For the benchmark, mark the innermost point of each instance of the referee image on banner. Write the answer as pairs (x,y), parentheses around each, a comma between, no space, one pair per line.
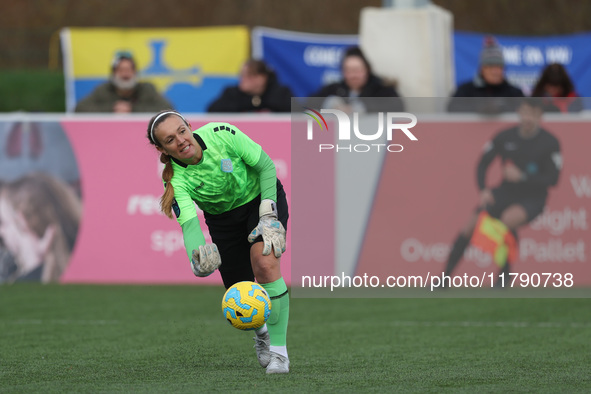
(234,182)
(531,162)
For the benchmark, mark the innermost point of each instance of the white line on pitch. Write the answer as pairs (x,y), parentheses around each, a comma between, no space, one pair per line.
(58,321)
(489,324)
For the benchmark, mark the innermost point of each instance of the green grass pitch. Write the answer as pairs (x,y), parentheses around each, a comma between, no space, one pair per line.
(83,338)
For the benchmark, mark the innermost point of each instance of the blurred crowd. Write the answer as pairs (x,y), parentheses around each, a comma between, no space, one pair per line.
(259,88)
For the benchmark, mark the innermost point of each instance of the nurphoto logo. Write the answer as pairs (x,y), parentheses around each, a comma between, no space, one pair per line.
(348,130)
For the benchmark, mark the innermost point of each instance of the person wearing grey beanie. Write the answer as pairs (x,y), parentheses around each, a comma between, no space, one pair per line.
(489,82)
(491,54)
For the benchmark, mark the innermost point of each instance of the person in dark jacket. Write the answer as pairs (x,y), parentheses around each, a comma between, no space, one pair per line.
(258,91)
(123,93)
(558,90)
(358,85)
(489,84)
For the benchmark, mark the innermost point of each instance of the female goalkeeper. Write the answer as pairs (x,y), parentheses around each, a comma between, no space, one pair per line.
(234,182)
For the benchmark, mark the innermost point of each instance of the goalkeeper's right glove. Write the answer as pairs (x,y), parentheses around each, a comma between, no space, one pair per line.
(205,260)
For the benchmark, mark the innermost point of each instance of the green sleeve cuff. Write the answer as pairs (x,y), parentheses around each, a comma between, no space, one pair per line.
(192,236)
(267,176)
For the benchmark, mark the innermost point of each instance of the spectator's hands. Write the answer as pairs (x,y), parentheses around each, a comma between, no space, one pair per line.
(486,198)
(122,107)
(270,228)
(511,172)
(205,260)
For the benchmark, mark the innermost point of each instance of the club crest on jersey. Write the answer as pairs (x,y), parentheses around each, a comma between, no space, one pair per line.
(227,165)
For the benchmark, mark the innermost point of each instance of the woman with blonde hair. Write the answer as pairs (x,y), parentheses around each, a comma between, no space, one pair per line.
(234,182)
(39,219)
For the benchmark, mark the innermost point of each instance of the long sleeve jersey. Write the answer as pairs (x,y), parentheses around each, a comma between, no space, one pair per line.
(232,172)
(538,157)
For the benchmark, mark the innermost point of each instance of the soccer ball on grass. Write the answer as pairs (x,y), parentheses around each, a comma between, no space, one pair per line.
(246,305)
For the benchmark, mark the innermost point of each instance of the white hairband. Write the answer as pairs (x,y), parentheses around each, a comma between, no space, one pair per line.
(161,115)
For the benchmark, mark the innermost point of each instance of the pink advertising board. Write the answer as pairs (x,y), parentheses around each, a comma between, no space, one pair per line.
(341,221)
(426,195)
(123,238)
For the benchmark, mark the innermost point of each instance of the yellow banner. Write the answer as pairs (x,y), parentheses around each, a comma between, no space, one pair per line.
(177,61)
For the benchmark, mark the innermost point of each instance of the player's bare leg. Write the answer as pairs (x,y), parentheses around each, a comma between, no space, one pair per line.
(266,269)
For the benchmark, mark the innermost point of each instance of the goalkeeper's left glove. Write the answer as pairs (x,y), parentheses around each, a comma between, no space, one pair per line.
(205,260)
(270,228)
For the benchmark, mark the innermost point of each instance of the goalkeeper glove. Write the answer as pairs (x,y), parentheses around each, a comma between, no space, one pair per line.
(270,228)
(205,260)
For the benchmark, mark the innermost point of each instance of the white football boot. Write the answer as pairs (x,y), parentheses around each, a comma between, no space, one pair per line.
(278,364)
(261,345)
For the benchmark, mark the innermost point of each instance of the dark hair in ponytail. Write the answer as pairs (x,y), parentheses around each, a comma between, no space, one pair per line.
(168,196)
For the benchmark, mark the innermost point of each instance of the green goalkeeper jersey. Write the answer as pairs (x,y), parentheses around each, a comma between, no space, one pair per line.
(232,172)
(224,179)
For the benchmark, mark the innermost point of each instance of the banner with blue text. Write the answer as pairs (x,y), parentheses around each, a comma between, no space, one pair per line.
(303,61)
(526,57)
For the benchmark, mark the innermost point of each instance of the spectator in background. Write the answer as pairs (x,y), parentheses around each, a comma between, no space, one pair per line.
(489,82)
(39,219)
(123,93)
(258,90)
(558,90)
(358,83)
